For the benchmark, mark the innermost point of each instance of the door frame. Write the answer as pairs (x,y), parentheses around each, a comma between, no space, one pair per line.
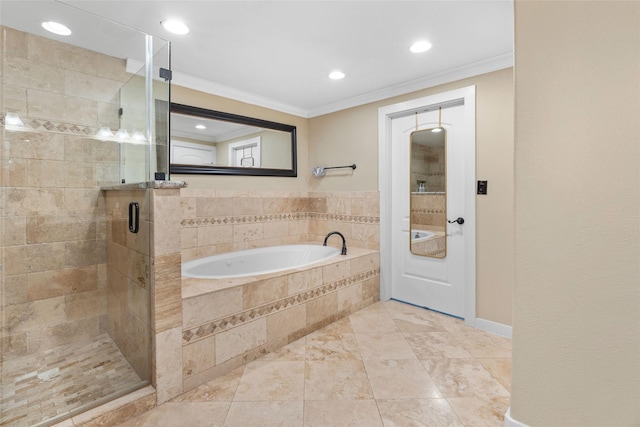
(385,116)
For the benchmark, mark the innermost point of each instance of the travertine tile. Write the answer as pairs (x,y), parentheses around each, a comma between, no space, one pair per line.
(500,368)
(349,380)
(264,291)
(272,380)
(479,411)
(400,379)
(463,378)
(171,414)
(240,339)
(436,344)
(304,280)
(418,413)
(287,322)
(198,356)
(53,283)
(168,359)
(221,389)
(326,345)
(349,297)
(214,305)
(383,346)
(353,413)
(265,414)
(375,322)
(321,309)
(215,234)
(484,344)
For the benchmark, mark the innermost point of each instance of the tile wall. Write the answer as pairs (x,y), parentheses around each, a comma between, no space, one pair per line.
(226,328)
(128,281)
(217,221)
(428,212)
(53,220)
(428,166)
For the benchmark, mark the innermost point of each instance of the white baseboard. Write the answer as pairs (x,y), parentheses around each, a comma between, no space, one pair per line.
(510,422)
(493,327)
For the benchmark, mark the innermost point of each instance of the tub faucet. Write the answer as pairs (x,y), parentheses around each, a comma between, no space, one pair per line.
(344,243)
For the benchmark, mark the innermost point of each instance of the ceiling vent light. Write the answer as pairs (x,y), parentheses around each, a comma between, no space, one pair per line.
(56,28)
(421,46)
(336,75)
(175,27)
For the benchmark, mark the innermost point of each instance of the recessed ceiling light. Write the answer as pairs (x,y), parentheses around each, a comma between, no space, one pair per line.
(201,126)
(174,26)
(336,75)
(420,46)
(56,28)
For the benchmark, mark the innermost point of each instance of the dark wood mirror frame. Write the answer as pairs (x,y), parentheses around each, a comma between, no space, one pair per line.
(232,170)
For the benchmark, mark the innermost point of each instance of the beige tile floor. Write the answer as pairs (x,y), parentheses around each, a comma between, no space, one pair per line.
(390,364)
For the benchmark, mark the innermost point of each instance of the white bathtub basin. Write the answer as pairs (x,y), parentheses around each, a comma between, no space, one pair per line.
(252,262)
(420,235)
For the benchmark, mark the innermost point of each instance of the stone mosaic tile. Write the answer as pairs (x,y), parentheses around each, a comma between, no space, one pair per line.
(46,385)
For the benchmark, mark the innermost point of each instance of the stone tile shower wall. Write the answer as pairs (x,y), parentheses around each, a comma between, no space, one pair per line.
(128,284)
(54,269)
(428,166)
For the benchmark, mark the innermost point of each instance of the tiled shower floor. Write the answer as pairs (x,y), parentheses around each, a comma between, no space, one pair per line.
(39,387)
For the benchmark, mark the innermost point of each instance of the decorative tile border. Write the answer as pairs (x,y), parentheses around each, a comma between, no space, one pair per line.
(220,325)
(248,219)
(428,211)
(243,219)
(346,218)
(66,128)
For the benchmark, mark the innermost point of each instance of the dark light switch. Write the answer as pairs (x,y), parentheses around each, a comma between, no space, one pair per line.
(482,187)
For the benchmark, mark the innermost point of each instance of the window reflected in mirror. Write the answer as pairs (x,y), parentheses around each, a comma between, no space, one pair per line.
(213,142)
(428,217)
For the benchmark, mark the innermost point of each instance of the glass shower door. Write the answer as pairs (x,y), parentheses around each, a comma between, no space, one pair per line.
(60,105)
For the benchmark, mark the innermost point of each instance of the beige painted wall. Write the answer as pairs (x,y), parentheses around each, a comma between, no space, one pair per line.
(576,332)
(183,95)
(351,136)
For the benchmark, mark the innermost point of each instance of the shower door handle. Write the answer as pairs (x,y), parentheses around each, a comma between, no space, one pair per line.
(134,217)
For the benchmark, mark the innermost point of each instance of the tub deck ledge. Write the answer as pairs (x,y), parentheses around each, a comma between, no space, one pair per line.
(193,287)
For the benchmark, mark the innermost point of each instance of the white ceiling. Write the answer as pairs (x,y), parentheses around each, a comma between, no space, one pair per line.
(278,53)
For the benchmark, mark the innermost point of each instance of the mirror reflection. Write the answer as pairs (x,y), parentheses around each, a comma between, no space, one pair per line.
(428,217)
(213,142)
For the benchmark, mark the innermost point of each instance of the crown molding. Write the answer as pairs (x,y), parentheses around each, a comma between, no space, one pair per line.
(486,66)
(196,83)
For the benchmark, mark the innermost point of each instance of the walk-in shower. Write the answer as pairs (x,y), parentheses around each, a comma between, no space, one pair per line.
(75,316)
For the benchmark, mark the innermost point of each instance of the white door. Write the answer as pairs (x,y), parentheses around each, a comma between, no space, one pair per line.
(435,283)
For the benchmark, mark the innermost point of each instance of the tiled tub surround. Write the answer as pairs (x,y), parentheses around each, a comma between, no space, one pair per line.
(428,212)
(229,322)
(218,221)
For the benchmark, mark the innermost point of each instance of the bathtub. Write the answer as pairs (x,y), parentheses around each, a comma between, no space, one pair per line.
(421,235)
(252,262)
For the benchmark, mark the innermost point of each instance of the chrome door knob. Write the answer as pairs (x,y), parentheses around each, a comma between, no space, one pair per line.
(459,220)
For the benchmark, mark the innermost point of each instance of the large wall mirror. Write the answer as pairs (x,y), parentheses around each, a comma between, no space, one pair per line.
(428,179)
(216,143)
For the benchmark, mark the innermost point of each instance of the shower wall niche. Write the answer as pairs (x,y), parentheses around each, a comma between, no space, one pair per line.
(61,348)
